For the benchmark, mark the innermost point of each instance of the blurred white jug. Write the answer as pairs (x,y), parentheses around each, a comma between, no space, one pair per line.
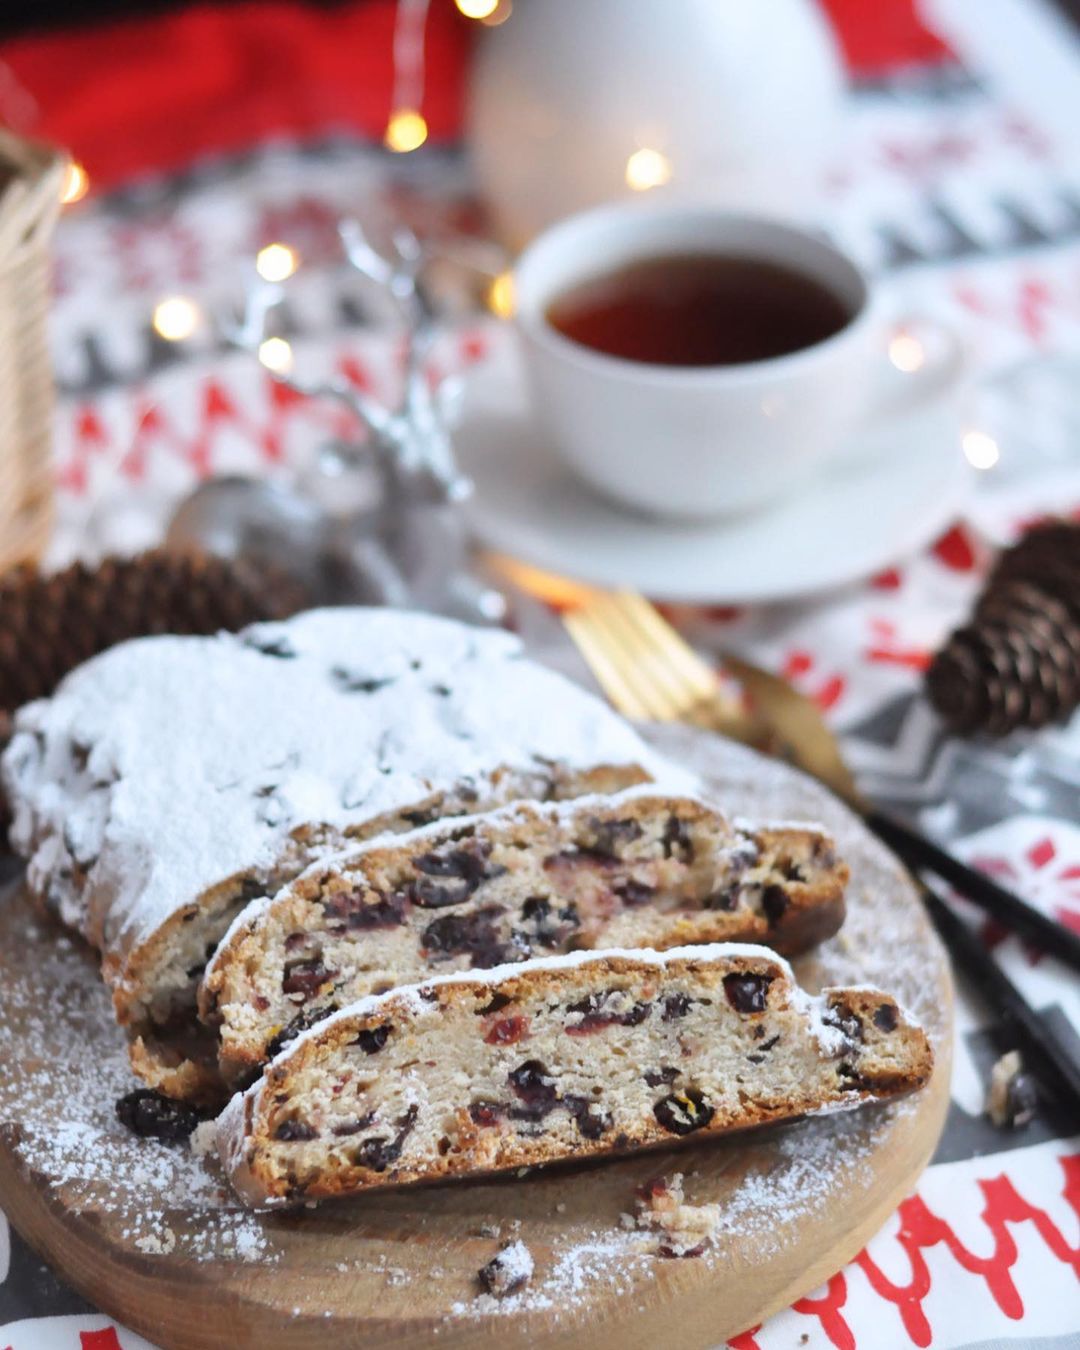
(577,102)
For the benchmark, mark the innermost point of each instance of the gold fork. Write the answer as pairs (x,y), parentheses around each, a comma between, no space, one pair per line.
(650,672)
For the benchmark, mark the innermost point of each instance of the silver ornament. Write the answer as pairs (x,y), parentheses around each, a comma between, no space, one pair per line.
(370,523)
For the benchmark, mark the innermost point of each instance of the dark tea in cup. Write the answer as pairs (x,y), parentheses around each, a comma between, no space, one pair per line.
(698,309)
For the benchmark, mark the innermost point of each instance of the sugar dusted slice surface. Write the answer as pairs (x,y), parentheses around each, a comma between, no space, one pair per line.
(565,1057)
(635,869)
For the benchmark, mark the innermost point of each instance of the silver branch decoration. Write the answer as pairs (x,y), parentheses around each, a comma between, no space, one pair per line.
(378,523)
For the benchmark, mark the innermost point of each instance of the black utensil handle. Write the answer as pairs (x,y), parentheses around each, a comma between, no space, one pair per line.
(1021,918)
(1047,1054)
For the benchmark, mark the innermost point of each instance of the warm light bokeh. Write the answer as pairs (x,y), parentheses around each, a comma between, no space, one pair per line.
(175,318)
(405,131)
(276,262)
(647,169)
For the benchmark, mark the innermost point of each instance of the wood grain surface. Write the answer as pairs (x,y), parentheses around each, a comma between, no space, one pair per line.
(148,1233)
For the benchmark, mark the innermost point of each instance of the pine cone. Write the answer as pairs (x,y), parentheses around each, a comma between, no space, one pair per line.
(1017,662)
(51,623)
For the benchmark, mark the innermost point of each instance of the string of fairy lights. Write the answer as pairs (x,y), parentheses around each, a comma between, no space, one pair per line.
(176,318)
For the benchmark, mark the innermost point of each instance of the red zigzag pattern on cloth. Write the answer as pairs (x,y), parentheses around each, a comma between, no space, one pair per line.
(920,1229)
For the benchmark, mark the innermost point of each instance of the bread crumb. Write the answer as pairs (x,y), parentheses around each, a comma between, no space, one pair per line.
(681,1229)
(509,1270)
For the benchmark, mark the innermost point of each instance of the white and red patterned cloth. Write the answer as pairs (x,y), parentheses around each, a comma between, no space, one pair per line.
(960,188)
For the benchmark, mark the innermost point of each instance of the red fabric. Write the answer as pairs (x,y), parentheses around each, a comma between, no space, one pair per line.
(879,35)
(154,93)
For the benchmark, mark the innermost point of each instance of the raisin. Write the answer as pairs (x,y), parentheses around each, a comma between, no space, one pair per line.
(305,978)
(353,1126)
(270,645)
(507,1031)
(372,1039)
(359,915)
(676,1006)
(759,1055)
(294,1132)
(378,1153)
(683,1112)
(746,993)
(497,1004)
(885,1017)
(429,894)
(545,926)
(791,870)
(666,1074)
(845,1021)
(352,682)
(610,835)
(676,840)
(593,1122)
(725,900)
(299,1023)
(463,864)
(633,893)
(533,1084)
(594,1017)
(474,935)
(774,901)
(486,1113)
(153,1116)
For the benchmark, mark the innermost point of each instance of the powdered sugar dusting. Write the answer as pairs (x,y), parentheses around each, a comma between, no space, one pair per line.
(167,765)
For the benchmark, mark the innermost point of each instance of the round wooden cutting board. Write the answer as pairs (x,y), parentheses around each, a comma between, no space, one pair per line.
(151,1235)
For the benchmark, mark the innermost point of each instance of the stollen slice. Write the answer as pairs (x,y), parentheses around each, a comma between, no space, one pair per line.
(557,1058)
(638,868)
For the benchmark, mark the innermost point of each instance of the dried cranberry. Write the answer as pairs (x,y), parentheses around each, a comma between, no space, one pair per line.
(633,893)
(486,1113)
(507,1031)
(295,940)
(299,1023)
(886,1018)
(372,1039)
(746,993)
(153,1116)
(774,901)
(294,1132)
(305,978)
(676,1006)
(683,1112)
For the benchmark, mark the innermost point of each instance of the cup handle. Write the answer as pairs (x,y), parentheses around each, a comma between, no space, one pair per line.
(915,372)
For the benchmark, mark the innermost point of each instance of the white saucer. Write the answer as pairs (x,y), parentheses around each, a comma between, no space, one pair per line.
(907,488)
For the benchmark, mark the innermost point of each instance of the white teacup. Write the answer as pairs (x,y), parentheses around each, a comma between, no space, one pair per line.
(707,441)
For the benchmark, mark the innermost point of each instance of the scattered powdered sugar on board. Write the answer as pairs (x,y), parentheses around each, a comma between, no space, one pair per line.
(65,1065)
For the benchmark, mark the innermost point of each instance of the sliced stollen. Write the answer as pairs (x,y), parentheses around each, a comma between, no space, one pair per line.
(639,868)
(170,780)
(556,1058)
